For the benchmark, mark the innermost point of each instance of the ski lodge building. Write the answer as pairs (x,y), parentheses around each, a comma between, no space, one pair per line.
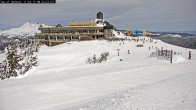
(52,36)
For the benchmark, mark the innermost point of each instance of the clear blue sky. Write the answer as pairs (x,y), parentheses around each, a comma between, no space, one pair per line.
(152,15)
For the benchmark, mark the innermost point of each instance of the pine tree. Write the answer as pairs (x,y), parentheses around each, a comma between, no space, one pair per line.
(20,58)
(34,61)
(5,69)
(14,58)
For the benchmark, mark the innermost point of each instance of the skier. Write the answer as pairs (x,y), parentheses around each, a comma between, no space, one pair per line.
(128,52)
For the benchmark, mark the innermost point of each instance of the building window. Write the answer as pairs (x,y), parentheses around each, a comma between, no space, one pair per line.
(92,31)
(52,37)
(67,37)
(59,37)
(85,31)
(75,37)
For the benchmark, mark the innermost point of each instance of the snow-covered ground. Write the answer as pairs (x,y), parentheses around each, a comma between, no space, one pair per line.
(63,80)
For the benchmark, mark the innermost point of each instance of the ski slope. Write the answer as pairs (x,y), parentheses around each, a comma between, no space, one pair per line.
(63,80)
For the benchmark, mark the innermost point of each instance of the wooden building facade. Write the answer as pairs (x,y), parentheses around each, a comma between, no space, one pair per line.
(52,36)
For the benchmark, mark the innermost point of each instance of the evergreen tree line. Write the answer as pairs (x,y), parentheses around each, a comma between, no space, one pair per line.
(20,58)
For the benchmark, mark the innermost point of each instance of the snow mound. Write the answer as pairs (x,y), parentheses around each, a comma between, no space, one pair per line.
(26,30)
(178,59)
(29,72)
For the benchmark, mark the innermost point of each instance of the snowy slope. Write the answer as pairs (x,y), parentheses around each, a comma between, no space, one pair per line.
(63,80)
(175,93)
(27,29)
(118,34)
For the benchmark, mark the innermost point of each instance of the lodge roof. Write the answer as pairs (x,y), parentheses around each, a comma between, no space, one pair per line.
(70,28)
(59,25)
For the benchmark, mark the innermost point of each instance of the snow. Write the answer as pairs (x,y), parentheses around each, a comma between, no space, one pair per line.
(63,80)
(25,75)
(172,35)
(27,29)
(100,22)
(118,34)
(176,36)
(178,59)
(2,57)
(170,94)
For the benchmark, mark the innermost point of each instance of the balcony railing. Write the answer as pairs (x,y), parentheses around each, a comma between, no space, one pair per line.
(68,34)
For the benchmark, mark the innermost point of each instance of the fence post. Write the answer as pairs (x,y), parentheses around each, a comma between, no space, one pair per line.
(189,55)
(166,53)
(171,56)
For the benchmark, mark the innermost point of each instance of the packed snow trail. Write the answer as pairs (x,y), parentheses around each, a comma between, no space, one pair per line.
(176,93)
(63,80)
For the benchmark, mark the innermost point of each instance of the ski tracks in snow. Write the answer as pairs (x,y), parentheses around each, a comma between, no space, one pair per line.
(161,95)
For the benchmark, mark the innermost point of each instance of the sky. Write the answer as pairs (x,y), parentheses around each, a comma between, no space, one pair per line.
(150,15)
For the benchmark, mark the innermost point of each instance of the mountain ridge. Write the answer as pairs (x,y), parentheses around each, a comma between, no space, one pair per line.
(26,30)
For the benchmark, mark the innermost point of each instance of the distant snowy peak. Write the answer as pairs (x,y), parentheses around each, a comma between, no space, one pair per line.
(32,25)
(26,30)
(172,35)
(176,36)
